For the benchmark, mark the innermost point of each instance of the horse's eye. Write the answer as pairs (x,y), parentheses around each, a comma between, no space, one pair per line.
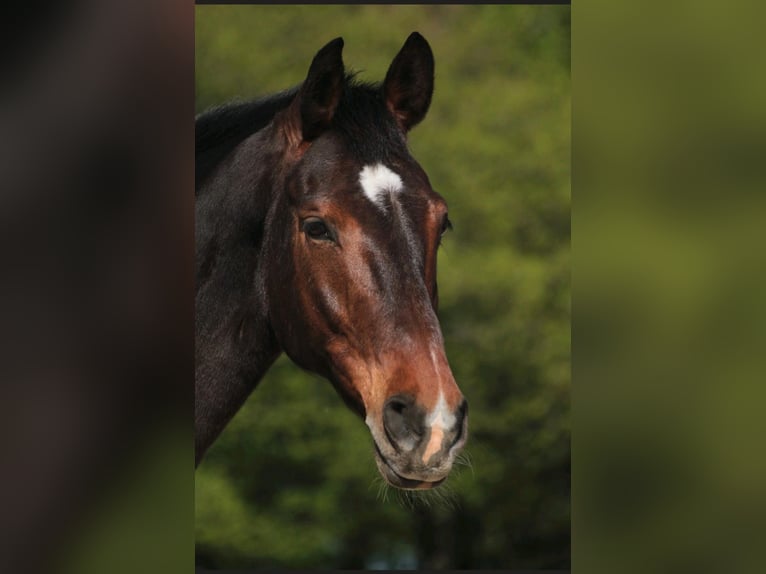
(315,228)
(446,225)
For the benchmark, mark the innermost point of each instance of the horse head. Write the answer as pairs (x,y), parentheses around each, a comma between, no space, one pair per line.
(348,262)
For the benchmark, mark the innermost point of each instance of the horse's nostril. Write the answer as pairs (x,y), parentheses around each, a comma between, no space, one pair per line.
(397,406)
(462,412)
(403,422)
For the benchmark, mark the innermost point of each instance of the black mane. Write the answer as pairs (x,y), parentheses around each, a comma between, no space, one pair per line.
(219,130)
(361,118)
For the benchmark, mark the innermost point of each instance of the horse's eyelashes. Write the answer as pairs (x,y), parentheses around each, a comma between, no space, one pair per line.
(446,225)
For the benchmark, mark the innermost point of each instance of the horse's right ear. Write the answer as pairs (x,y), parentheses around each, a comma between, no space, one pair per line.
(409,83)
(314,106)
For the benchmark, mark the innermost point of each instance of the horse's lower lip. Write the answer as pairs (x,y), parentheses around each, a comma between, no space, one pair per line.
(394,479)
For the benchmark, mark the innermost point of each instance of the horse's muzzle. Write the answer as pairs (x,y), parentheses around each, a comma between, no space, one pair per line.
(417,449)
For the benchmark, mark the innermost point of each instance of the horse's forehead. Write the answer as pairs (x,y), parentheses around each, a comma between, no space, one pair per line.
(377,180)
(341,173)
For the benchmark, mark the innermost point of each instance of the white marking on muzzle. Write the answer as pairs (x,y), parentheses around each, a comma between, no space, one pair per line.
(439,420)
(377,180)
(441,415)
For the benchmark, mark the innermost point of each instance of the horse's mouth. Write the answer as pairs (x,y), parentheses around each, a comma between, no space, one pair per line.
(394,479)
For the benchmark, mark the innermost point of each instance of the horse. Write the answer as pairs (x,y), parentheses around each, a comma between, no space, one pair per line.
(317,235)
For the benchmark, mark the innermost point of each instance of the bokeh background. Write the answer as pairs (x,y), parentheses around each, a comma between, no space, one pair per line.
(669,275)
(291,482)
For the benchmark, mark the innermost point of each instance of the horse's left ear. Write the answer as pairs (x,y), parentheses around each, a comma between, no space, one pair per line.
(409,83)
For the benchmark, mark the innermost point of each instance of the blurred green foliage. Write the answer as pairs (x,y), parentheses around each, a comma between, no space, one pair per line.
(670,324)
(291,483)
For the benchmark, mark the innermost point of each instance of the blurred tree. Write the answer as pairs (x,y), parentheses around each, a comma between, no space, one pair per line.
(292,483)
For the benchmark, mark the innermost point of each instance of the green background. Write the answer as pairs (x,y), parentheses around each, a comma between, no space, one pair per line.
(292,482)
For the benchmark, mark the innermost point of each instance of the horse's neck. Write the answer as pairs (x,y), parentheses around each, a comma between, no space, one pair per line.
(235,345)
(223,383)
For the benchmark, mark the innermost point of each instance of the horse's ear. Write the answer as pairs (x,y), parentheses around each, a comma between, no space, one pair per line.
(318,97)
(409,83)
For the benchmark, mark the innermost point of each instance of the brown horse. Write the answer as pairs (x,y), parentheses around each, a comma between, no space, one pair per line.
(317,234)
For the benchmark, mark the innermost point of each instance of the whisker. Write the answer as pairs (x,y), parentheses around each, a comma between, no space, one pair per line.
(442,497)
(382,494)
(464,460)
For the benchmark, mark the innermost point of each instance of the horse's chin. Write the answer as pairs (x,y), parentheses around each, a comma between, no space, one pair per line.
(394,479)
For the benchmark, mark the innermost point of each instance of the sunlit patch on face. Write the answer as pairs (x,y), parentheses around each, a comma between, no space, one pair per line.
(377,181)
(434,444)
